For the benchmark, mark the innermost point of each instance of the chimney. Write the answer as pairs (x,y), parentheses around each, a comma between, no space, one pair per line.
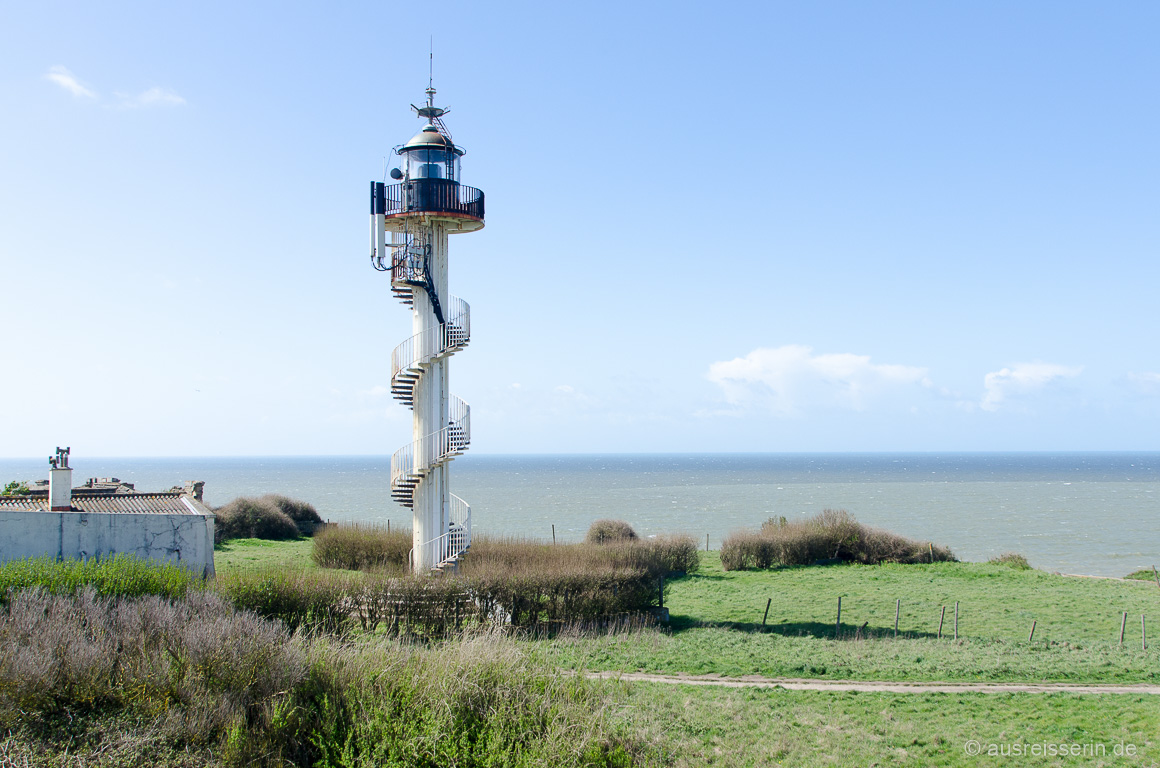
(60,481)
(194,488)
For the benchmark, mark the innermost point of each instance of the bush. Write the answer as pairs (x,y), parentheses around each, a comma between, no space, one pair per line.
(361,547)
(1011,560)
(604,531)
(831,535)
(315,600)
(122,575)
(304,515)
(246,518)
(1144,574)
(196,663)
(246,691)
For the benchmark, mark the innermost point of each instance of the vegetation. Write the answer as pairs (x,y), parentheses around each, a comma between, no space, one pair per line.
(122,575)
(831,536)
(246,518)
(304,515)
(1011,560)
(362,547)
(15,488)
(248,554)
(1144,574)
(731,728)
(202,678)
(281,662)
(717,626)
(605,531)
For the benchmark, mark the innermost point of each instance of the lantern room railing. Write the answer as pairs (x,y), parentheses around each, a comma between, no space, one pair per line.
(433,196)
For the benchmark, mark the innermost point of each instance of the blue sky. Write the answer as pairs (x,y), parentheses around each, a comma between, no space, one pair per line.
(836,226)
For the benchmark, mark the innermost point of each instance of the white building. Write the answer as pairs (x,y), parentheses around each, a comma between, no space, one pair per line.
(105,517)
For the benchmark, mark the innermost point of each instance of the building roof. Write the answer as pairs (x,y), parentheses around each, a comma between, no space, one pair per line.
(112,502)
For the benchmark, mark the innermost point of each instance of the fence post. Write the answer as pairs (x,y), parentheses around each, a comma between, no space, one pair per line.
(940,621)
(1143,634)
(1032,634)
(838,623)
(553,533)
(1123,625)
(897,610)
(766,616)
(706,542)
(956,620)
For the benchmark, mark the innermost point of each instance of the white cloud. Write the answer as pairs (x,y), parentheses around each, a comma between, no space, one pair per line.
(154,97)
(1147,383)
(67,80)
(1020,380)
(788,379)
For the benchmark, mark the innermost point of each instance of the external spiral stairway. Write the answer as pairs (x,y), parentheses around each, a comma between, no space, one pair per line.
(410,361)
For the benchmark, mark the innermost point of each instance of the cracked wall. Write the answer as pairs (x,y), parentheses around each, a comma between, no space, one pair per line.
(181,539)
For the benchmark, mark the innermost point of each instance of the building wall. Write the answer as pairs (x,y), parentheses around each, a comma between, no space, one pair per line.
(182,539)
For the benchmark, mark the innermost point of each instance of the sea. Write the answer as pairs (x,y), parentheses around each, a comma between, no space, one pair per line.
(1079,513)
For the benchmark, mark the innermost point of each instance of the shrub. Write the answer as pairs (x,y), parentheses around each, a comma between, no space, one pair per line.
(1011,560)
(1144,574)
(315,600)
(831,535)
(246,518)
(196,663)
(122,575)
(304,515)
(361,547)
(604,531)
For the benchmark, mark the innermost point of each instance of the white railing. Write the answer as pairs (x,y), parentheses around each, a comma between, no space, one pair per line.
(453,542)
(413,461)
(429,345)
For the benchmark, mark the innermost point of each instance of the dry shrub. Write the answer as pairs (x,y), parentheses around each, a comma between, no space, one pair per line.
(304,515)
(246,518)
(196,663)
(1011,560)
(605,531)
(317,600)
(833,535)
(361,547)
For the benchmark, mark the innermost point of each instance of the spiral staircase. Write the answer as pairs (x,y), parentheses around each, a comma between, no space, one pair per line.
(410,361)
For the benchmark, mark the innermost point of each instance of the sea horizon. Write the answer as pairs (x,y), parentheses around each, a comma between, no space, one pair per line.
(1088,512)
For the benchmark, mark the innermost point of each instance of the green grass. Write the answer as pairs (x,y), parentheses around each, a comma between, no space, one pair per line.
(121,575)
(995,602)
(716,626)
(241,554)
(696,726)
(1144,574)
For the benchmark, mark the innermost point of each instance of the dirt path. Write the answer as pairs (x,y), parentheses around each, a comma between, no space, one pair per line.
(755,681)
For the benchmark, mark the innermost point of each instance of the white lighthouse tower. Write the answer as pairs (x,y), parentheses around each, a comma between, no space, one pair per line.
(410,222)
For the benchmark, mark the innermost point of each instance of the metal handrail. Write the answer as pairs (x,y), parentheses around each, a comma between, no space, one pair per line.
(454,541)
(435,342)
(433,196)
(416,458)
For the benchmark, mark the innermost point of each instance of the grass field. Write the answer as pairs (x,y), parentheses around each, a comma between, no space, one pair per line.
(239,554)
(716,626)
(697,726)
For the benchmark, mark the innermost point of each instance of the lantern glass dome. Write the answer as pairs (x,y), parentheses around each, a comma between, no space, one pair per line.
(431,155)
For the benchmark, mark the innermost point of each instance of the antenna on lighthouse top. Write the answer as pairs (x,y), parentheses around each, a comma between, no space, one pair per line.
(429,110)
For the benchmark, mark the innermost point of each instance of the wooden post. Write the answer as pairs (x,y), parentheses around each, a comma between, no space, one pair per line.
(1156,576)
(1123,624)
(1032,634)
(940,621)
(706,542)
(553,533)
(931,548)
(1143,634)
(388,526)
(766,616)
(838,623)
(956,620)
(897,610)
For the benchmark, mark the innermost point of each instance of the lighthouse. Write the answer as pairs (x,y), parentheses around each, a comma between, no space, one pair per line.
(411,220)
